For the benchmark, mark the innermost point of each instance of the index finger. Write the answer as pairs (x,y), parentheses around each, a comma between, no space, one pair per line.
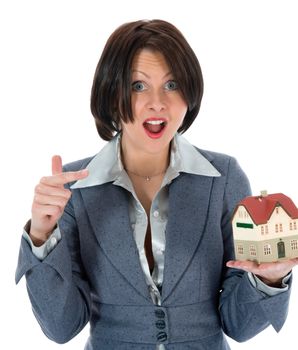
(56,165)
(64,178)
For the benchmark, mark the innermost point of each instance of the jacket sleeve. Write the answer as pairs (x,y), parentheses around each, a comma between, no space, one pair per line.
(57,285)
(245,311)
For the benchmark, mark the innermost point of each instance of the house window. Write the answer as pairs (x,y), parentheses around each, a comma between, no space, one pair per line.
(276,210)
(294,244)
(295,226)
(252,250)
(262,230)
(291,226)
(267,249)
(240,249)
(276,228)
(280,227)
(266,229)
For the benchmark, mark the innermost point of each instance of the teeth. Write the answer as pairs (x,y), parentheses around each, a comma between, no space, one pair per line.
(155,122)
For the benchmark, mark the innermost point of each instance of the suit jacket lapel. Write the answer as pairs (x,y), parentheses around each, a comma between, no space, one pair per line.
(188,209)
(107,207)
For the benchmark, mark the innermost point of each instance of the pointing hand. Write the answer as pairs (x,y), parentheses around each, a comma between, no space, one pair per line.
(50,199)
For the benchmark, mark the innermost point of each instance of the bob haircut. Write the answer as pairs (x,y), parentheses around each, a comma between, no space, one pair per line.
(111,89)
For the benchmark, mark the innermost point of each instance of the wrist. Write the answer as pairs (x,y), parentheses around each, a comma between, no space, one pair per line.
(275,283)
(37,238)
(37,241)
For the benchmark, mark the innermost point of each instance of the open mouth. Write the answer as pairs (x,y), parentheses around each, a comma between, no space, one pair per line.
(154,126)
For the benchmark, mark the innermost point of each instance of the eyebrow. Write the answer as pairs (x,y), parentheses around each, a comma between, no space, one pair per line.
(146,75)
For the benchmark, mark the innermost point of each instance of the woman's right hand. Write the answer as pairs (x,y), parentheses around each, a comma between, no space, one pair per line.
(50,200)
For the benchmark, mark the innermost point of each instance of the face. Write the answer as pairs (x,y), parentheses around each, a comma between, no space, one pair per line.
(157,105)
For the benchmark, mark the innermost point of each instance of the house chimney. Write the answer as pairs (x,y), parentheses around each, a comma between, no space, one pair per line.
(264,193)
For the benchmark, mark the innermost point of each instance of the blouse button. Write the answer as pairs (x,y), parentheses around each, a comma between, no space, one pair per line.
(156,213)
(53,241)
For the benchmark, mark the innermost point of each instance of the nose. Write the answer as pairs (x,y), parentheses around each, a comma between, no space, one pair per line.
(157,101)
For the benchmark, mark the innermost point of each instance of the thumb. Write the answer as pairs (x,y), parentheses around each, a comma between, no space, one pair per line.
(56,165)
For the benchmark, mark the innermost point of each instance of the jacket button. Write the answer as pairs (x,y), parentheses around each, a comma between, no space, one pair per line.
(162,336)
(160,324)
(159,313)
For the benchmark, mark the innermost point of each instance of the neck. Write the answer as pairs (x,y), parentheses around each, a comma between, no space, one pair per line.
(145,164)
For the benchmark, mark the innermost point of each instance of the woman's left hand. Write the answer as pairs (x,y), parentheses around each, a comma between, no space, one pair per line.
(271,274)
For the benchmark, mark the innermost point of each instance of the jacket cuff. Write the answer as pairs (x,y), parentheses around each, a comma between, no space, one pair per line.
(275,308)
(26,260)
(58,259)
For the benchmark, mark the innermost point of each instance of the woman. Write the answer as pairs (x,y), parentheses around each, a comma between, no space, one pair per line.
(137,240)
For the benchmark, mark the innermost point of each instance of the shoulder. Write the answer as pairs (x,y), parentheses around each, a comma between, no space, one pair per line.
(233,179)
(221,161)
(214,156)
(78,164)
(229,167)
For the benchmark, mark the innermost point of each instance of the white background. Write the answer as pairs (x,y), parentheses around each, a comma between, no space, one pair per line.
(49,50)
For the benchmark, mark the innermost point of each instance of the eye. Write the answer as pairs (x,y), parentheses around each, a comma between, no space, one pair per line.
(138,86)
(171,85)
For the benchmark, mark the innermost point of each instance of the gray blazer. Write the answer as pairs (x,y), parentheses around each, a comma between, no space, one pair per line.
(94,273)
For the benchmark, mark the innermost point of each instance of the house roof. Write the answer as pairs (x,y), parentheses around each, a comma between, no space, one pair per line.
(260,208)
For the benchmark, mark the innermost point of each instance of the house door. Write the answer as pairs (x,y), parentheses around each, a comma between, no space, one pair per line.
(281,250)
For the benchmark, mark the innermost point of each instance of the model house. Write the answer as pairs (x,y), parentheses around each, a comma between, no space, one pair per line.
(265,228)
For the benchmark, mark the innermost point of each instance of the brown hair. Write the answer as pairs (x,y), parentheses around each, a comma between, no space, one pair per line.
(111,89)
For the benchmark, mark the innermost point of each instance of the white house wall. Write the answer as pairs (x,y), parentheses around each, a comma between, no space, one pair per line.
(246,234)
(280,218)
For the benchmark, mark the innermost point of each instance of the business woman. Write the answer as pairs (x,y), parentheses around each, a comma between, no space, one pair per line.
(137,239)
